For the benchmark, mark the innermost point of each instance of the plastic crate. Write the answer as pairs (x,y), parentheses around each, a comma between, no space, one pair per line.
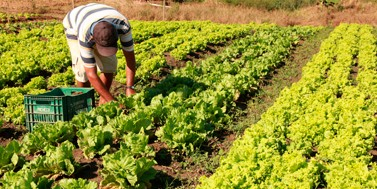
(60,104)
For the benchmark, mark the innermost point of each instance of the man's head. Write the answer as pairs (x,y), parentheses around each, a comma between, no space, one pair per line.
(106,37)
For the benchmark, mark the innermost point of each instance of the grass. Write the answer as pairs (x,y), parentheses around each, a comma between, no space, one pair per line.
(289,5)
(352,11)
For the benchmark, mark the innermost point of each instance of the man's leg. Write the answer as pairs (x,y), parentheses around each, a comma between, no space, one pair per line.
(77,64)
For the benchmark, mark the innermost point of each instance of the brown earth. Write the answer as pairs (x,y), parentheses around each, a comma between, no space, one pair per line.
(350,11)
(9,132)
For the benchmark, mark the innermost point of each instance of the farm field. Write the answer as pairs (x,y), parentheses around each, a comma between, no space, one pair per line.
(320,133)
(218,106)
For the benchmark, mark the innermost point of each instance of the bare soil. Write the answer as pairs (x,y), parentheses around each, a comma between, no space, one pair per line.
(9,132)
(349,11)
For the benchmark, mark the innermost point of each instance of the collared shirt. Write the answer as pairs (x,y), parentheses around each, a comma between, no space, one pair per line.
(77,25)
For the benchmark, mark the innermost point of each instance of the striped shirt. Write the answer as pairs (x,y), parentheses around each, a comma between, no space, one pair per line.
(78,22)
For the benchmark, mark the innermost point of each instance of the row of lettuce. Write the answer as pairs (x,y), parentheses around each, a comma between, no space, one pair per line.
(183,111)
(320,132)
(41,49)
(9,18)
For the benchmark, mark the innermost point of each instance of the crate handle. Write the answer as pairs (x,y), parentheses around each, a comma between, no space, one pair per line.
(42,102)
(76,92)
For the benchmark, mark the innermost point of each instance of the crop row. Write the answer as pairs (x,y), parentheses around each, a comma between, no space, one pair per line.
(188,38)
(319,132)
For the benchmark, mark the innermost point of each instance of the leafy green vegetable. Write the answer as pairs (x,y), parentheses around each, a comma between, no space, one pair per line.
(24,179)
(122,170)
(137,145)
(65,79)
(36,83)
(95,140)
(69,183)
(46,134)
(98,116)
(58,160)
(10,158)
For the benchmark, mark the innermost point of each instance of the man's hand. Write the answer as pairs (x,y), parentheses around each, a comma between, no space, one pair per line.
(130,91)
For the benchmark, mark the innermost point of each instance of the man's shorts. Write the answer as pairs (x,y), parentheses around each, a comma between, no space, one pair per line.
(104,64)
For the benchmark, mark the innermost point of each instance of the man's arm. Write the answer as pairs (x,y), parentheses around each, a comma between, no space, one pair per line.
(130,70)
(98,85)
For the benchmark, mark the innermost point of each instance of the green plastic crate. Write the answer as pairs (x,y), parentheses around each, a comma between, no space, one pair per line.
(60,104)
